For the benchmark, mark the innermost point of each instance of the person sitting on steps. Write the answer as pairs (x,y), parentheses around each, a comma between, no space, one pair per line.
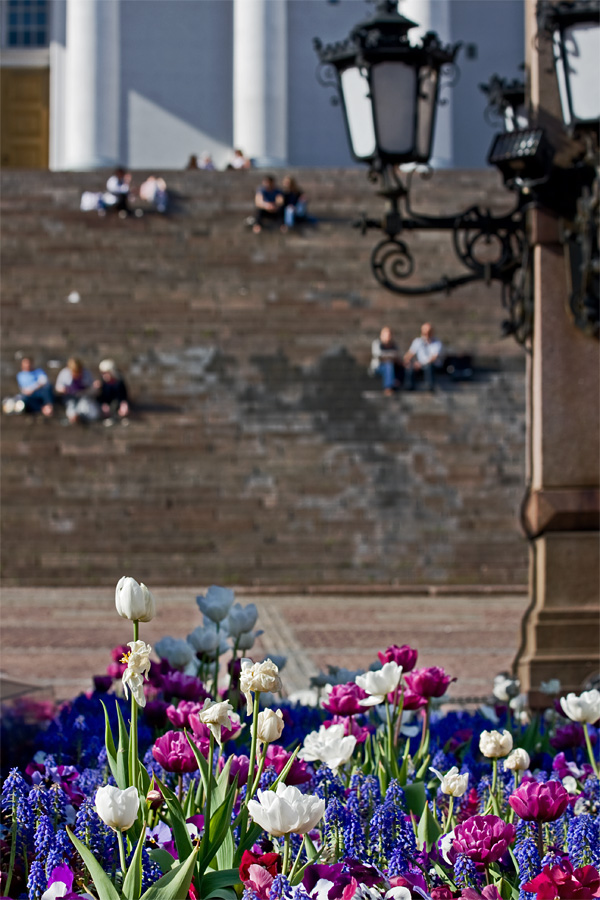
(385,361)
(423,356)
(268,201)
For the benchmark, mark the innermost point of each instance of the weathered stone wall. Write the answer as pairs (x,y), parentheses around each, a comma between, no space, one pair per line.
(261,452)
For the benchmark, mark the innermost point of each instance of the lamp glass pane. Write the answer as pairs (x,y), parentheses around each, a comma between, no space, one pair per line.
(394,99)
(428,80)
(582,46)
(559,65)
(359,112)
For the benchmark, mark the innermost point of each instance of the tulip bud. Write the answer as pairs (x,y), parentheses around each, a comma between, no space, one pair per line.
(154,799)
(270,726)
(134,601)
(518,760)
(117,809)
(494,744)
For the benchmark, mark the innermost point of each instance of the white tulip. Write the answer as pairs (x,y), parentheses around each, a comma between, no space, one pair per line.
(246,640)
(518,760)
(570,784)
(204,640)
(286,810)
(176,651)
(270,725)
(328,745)
(134,601)
(584,708)
(216,603)
(494,744)
(216,716)
(379,684)
(550,687)
(505,687)
(117,809)
(258,677)
(138,666)
(241,619)
(452,783)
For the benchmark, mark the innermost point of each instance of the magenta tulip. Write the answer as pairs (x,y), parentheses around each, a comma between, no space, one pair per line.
(351,726)
(179,715)
(539,801)
(344,700)
(483,839)
(431,682)
(174,753)
(405,656)
(186,687)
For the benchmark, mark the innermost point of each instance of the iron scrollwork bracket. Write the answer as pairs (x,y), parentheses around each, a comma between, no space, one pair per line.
(490,247)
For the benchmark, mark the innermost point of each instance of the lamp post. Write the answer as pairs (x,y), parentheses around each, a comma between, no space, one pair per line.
(388,90)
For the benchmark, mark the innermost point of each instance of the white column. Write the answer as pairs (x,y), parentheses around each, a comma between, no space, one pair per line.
(434,15)
(260,79)
(92,84)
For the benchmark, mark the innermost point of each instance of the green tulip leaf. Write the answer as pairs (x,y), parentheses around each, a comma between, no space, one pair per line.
(111,750)
(415,797)
(183,842)
(122,776)
(175,884)
(132,886)
(104,886)
(428,831)
(162,858)
(216,881)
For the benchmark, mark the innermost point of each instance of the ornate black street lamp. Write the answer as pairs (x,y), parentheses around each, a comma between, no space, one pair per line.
(389,88)
(389,91)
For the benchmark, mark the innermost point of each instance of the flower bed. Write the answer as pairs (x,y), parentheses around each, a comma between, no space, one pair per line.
(170,781)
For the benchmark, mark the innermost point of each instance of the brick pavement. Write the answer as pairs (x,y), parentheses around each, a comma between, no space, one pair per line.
(59,638)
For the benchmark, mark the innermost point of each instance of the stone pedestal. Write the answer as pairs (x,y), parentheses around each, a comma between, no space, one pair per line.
(561,631)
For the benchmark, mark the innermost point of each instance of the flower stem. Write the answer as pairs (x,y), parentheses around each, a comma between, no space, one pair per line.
(211,752)
(133,735)
(297,860)
(216,681)
(540,839)
(449,815)
(13,849)
(261,766)
(286,853)
(588,744)
(180,786)
(424,734)
(255,713)
(121,852)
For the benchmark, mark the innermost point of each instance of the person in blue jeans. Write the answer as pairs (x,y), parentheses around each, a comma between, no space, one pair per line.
(34,388)
(294,202)
(423,356)
(385,361)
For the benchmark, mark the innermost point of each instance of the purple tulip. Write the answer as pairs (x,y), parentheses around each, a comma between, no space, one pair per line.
(344,699)
(179,715)
(155,713)
(431,682)
(405,656)
(186,687)
(484,839)
(351,727)
(277,757)
(174,753)
(239,766)
(570,735)
(102,683)
(539,801)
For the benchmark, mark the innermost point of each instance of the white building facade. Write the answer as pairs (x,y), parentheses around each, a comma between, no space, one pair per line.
(147,83)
